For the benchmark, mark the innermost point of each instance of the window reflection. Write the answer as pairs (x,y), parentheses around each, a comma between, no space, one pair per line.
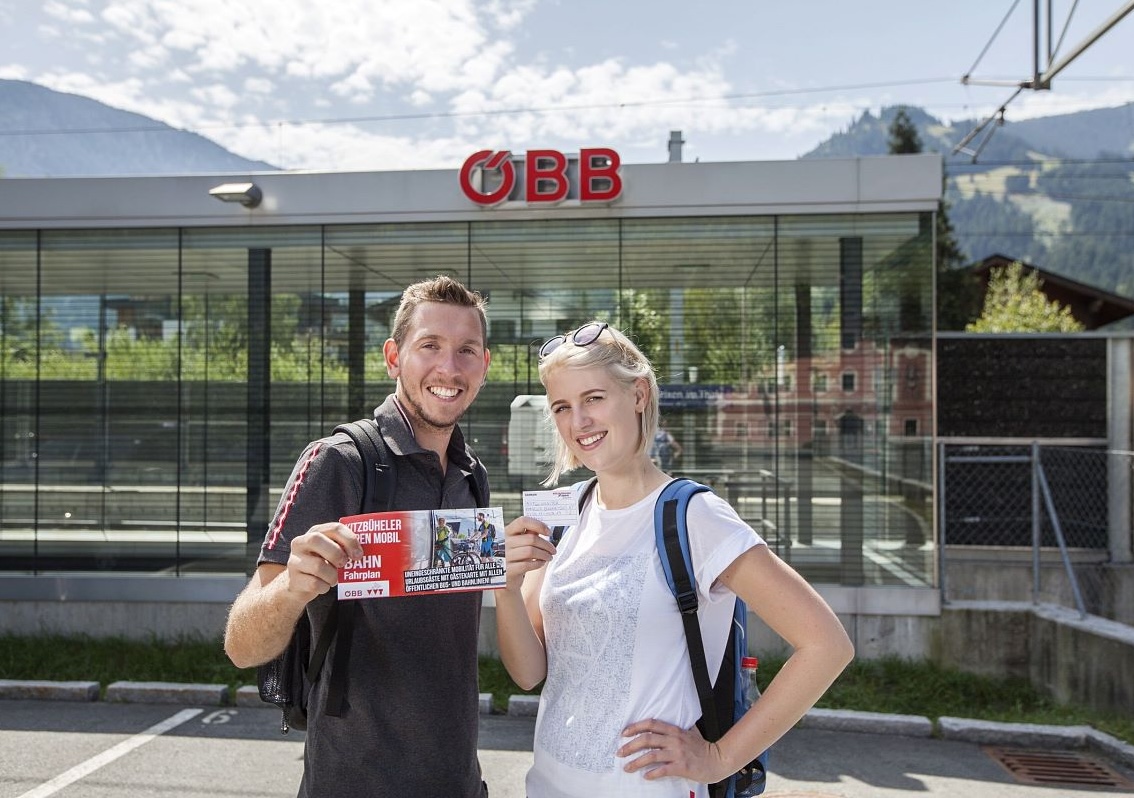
(793,357)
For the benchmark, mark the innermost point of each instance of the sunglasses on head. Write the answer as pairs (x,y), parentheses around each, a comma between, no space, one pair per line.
(584,336)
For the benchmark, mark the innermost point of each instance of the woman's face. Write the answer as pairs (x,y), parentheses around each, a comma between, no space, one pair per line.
(597,416)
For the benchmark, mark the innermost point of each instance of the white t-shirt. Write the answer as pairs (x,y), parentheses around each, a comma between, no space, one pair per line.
(616,650)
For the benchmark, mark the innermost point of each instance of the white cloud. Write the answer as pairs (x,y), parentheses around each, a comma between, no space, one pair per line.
(146,58)
(358,41)
(607,99)
(13,72)
(344,148)
(215,96)
(1049,103)
(132,20)
(67,13)
(258,85)
(508,14)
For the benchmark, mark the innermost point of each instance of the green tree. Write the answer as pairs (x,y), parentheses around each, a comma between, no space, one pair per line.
(903,136)
(957,294)
(729,333)
(1015,302)
(648,326)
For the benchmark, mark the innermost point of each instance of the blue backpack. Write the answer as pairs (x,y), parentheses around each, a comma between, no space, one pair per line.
(722,705)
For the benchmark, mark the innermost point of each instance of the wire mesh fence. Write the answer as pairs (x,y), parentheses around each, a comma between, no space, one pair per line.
(1048,524)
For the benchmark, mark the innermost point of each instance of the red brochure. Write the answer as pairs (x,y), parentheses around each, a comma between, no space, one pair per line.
(415,552)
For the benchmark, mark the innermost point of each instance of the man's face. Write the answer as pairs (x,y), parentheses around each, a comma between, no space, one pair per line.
(441,365)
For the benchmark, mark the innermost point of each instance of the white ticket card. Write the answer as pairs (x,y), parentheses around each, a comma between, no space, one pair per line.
(556,507)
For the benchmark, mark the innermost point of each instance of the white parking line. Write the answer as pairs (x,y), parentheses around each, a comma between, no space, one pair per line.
(109,755)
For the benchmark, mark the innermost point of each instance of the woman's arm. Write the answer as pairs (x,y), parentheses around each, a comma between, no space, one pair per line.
(821,650)
(519,623)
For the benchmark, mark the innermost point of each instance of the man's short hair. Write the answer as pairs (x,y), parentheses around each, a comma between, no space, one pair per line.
(443,289)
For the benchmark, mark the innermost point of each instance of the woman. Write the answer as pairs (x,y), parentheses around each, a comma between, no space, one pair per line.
(595,618)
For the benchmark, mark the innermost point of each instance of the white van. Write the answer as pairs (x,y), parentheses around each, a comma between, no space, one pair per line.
(531,441)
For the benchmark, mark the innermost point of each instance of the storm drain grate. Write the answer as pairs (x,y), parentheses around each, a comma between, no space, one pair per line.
(1068,768)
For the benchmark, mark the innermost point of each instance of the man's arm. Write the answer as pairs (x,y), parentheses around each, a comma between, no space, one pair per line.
(262,618)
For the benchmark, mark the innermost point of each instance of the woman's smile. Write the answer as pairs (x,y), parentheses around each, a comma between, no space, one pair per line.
(587,440)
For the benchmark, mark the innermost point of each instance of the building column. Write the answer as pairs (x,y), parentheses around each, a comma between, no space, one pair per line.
(1119,518)
(805,390)
(356,353)
(257,469)
(850,434)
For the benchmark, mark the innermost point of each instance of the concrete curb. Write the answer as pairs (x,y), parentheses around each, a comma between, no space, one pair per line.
(167,693)
(1036,736)
(843,720)
(869,722)
(248,696)
(1112,747)
(524,706)
(1021,734)
(51,691)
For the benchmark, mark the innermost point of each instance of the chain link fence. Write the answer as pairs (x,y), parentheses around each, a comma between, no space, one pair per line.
(1042,523)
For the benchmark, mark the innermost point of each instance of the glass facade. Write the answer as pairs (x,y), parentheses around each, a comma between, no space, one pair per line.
(156,385)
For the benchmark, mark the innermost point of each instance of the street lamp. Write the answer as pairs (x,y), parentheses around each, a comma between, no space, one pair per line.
(247,194)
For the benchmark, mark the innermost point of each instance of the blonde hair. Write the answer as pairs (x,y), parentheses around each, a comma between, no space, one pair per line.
(624,361)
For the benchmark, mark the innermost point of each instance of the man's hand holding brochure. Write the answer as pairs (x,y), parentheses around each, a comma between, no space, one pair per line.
(413,552)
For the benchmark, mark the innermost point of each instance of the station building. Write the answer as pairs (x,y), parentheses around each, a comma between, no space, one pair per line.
(169,344)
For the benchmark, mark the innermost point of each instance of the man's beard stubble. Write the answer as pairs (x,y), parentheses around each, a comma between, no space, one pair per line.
(424,418)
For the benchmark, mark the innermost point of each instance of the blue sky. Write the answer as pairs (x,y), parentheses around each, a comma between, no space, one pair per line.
(367,84)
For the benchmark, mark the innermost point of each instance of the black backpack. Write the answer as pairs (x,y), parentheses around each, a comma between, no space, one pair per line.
(286,681)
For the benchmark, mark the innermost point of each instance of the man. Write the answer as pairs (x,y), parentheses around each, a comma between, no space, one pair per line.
(665,450)
(410,711)
(487,536)
(443,554)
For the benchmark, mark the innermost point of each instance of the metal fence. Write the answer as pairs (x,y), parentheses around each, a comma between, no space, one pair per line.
(1042,523)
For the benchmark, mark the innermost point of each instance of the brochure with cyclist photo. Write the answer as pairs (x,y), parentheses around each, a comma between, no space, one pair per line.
(416,552)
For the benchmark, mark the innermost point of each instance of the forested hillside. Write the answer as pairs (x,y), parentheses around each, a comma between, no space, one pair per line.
(1056,192)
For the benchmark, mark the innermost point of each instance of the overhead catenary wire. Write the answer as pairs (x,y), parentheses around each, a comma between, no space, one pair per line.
(1040,80)
(1063,33)
(988,44)
(490,112)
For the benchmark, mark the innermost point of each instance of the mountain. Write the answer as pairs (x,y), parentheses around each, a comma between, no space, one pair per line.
(38,139)
(1055,192)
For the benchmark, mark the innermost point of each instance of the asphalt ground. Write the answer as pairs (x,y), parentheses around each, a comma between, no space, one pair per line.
(100,749)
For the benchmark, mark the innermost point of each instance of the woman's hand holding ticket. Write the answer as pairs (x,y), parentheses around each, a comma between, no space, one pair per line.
(526,548)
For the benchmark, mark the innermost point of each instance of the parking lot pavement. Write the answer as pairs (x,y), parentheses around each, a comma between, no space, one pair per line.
(105,750)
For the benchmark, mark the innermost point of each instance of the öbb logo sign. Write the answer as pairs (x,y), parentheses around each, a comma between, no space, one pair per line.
(490,178)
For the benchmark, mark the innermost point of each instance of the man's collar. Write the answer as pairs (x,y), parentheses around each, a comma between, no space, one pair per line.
(402,440)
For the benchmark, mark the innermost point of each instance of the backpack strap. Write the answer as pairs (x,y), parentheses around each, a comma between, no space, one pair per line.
(377,465)
(378,484)
(582,490)
(672,537)
(478,478)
